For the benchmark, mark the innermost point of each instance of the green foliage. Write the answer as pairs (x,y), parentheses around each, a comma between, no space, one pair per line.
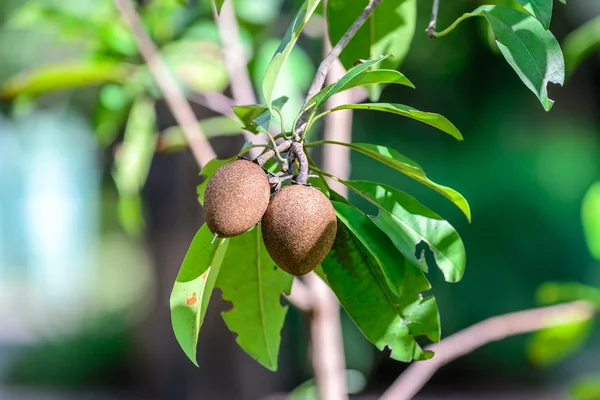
(251,281)
(587,388)
(581,43)
(531,50)
(552,345)
(219,5)
(390,29)
(540,9)
(428,118)
(132,163)
(193,287)
(355,277)
(67,75)
(256,118)
(590,218)
(285,48)
(408,223)
(394,159)
(374,241)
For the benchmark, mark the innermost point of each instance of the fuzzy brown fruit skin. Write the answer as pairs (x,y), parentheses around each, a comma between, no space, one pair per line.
(236,198)
(299,228)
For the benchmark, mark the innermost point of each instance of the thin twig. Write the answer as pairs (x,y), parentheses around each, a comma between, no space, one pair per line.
(214,101)
(281,147)
(493,329)
(434,15)
(180,108)
(327,62)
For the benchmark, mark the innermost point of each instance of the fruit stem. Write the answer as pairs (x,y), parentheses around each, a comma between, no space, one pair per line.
(298,152)
(283,146)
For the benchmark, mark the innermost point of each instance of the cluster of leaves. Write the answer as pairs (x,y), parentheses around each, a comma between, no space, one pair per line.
(378,263)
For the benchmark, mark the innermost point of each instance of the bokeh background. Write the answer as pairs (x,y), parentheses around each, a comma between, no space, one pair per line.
(85,277)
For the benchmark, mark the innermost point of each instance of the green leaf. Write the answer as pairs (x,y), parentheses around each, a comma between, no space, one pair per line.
(340,85)
(435,120)
(285,48)
(590,218)
(219,5)
(531,50)
(256,118)
(63,76)
(133,159)
(552,345)
(173,139)
(193,287)
(587,388)
(385,319)
(392,158)
(407,223)
(376,243)
(558,292)
(581,43)
(390,29)
(252,282)
(540,9)
(108,121)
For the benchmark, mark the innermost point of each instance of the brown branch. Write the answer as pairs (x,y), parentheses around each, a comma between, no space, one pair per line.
(327,62)
(180,108)
(214,101)
(493,329)
(327,349)
(300,296)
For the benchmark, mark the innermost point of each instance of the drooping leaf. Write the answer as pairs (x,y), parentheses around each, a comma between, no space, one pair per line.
(256,118)
(285,48)
(581,43)
(435,120)
(540,9)
(408,223)
(590,218)
(552,345)
(531,50)
(376,243)
(213,165)
(62,76)
(396,321)
(133,159)
(193,287)
(252,282)
(408,167)
(172,139)
(390,29)
(340,85)
(109,116)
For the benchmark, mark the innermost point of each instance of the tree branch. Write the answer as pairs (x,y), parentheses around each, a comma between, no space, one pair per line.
(214,101)
(327,62)
(300,296)
(490,330)
(180,108)
(327,349)
(433,22)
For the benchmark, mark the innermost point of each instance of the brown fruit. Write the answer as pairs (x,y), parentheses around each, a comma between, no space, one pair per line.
(236,198)
(299,228)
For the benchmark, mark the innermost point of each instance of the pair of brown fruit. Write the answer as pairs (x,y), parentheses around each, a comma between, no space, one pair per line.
(298,221)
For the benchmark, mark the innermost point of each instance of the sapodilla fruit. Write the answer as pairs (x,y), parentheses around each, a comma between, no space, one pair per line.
(299,228)
(236,198)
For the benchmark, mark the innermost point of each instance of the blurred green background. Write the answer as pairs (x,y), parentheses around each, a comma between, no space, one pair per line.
(85,274)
